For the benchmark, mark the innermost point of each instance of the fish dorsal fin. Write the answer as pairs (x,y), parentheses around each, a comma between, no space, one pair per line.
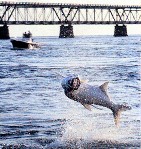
(104,87)
(88,107)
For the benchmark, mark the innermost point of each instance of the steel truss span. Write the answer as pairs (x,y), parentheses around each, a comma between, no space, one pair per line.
(52,13)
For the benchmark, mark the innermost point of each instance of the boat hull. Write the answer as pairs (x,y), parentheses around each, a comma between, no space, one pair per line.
(23,44)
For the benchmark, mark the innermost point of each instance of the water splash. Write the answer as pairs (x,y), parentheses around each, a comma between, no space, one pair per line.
(83,127)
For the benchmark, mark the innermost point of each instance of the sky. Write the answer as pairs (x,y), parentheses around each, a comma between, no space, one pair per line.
(53,30)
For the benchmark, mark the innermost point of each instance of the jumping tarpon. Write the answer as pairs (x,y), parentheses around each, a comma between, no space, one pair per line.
(88,95)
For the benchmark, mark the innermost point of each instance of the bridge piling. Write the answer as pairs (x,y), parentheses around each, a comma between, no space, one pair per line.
(120,31)
(66,31)
(4,32)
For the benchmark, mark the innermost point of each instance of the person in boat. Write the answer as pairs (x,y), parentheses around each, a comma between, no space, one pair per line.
(27,35)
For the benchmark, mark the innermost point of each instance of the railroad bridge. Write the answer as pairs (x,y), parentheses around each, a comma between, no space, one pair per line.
(66,15)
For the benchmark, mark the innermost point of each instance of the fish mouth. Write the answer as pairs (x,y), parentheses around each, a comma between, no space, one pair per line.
(74,83)
(71,83)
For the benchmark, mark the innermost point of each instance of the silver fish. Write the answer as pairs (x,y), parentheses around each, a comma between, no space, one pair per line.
(88,95)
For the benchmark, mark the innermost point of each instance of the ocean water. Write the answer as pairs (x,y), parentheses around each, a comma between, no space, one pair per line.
(34,111)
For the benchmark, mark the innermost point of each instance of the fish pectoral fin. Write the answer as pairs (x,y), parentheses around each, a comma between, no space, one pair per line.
(88,107)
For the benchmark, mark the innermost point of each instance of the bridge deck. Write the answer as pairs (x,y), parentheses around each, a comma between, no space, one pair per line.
(63,5)
(59,13)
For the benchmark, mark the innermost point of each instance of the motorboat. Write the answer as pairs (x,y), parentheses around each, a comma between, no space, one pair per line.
(24,44)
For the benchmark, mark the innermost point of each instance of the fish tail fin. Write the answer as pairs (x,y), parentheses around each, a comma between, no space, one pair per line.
(117,111)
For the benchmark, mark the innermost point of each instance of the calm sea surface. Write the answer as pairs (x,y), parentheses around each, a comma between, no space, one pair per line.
(35,113)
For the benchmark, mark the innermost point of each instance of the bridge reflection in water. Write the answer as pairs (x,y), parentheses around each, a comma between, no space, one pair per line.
(29,13)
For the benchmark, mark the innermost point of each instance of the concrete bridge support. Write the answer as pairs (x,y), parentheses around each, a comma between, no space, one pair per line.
(66,31)
(120,31)
(4,32)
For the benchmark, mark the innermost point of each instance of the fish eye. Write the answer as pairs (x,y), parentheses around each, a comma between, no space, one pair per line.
(70,82)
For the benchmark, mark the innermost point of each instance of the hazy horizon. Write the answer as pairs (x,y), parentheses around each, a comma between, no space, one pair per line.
(53,30)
